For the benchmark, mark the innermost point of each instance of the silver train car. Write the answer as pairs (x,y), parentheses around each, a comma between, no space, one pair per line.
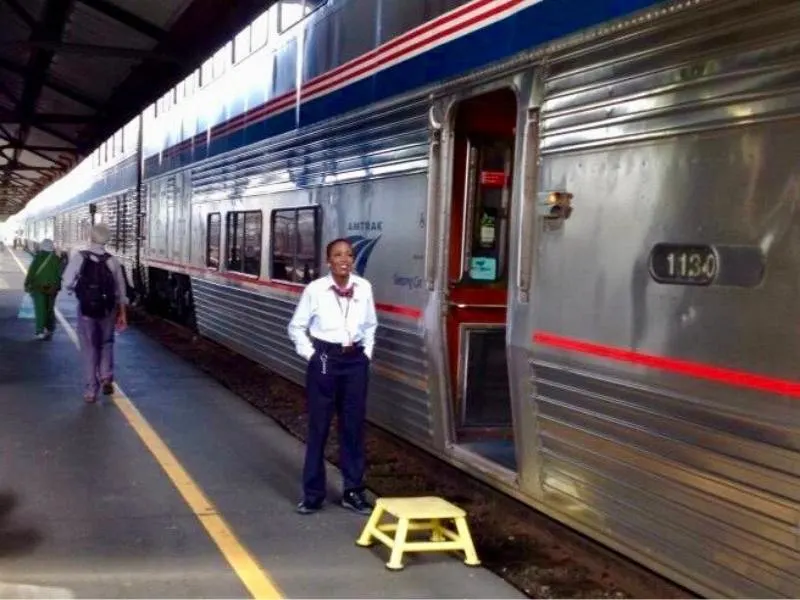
(579,223)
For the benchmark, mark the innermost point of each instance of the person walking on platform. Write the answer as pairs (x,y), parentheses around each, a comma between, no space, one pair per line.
(43,282)
(338,311)
(95,277)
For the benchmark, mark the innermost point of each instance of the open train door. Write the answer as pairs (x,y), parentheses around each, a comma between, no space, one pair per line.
(484,133)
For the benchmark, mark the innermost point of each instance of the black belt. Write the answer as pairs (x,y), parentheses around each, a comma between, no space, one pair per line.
(330,348)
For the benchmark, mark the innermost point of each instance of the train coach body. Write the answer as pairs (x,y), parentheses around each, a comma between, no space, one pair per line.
(579,225)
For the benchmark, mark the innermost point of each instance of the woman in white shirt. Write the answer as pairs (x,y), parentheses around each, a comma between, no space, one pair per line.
(338,311)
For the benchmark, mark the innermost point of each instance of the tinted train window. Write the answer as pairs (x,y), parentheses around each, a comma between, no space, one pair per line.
(312,5)
(243,245)
(355,41)
(284,65)
(400,16)
(295,244)
(213,233)
(319,49)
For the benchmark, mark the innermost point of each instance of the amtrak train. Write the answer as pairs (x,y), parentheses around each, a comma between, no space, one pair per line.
(581,224)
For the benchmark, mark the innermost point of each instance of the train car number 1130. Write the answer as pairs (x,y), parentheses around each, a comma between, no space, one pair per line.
(683,264)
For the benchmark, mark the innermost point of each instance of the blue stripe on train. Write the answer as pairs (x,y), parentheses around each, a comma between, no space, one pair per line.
(534,26)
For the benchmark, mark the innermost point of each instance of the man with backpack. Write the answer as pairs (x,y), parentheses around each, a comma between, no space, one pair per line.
(96,278)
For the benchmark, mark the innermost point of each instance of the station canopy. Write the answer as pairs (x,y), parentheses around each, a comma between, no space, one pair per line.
(73,72)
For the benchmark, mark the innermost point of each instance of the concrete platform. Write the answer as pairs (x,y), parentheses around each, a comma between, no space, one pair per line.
(86,510)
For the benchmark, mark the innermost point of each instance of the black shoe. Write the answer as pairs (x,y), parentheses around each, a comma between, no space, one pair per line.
(306,508)
(108,388)
(355,501)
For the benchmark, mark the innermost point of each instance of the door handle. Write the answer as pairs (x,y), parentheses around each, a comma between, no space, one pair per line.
(528,207)
(434,166)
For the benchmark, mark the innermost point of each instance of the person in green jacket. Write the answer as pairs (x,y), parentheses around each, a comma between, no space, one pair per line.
(43,283)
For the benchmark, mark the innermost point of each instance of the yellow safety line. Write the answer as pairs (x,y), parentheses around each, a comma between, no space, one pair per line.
(253,576)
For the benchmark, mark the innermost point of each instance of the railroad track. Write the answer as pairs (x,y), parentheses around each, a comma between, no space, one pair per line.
(536,554)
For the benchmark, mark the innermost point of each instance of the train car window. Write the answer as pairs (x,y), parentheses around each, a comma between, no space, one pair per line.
(260,31)
(319,49)
(488,193)
(118,147)
(353,42)
(295,244)
(291,12)
(312,5)
(243,235)
(221,59)
(398,17)
(213,234)
(241,45)
(206,72)
(284,68)
(434,8)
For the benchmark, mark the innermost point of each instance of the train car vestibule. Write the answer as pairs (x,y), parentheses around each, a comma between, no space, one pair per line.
(482,170)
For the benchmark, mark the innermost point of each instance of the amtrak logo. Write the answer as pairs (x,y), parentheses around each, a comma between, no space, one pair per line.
(362,248)
(363,245)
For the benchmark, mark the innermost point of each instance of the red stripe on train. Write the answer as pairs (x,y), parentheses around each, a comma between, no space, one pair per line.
(730,377)
(293,288)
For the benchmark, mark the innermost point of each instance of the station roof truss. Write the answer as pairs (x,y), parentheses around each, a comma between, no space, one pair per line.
(73,72)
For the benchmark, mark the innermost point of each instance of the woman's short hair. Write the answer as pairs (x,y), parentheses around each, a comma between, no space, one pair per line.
(329,247)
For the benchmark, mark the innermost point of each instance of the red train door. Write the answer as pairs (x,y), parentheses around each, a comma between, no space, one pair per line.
(483,151)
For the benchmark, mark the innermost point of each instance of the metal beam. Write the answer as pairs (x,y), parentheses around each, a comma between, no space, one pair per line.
(91,50)
(17,178)
(54,20)
(57,160)
(21,168)
(56,134)
(55,85)
(62,149)
(11,117)
(21,13)
(8,93)
(126,18)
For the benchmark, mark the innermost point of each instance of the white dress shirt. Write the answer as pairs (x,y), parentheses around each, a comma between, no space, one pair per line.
(332,319)
(70,276)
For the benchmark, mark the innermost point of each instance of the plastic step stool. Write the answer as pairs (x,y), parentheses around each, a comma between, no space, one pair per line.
(419,514)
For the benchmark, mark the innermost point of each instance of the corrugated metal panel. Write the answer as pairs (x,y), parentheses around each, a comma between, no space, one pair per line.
(127,224)
(320,155)
(76,227)
(255,324)
(60,230)
(702,497)
(251,323)
(675,134)
(108,208)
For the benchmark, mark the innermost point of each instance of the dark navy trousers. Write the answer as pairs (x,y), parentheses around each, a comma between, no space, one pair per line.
(336,381)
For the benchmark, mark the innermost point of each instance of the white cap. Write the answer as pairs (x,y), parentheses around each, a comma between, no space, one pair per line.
(100,234)
(46,245)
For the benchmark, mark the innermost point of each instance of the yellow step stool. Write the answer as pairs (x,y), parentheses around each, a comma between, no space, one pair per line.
(419,514)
